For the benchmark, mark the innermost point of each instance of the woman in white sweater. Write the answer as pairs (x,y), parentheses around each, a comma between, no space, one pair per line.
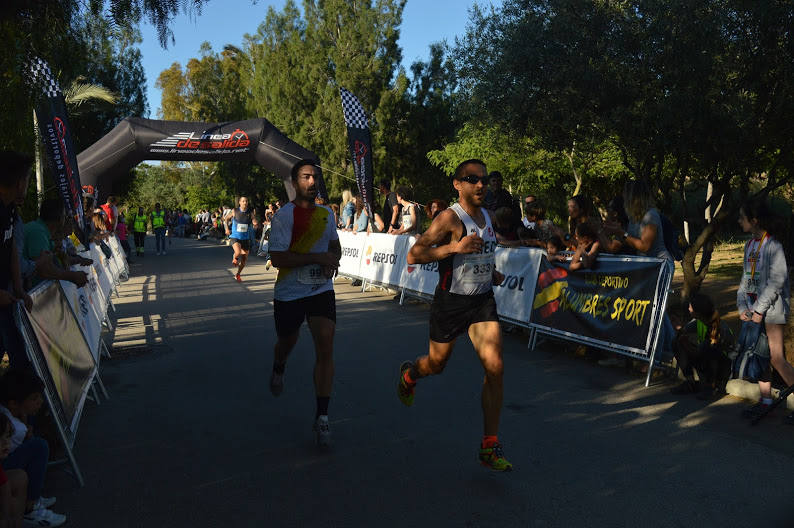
(763,295)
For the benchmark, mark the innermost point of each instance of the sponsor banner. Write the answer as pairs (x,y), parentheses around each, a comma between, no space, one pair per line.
(56,134)
(176,140)
(352,249)
(102,272)
(612,304)
(84,305)
(360,144)
(422,278)
(119,257)
(383,258)
(514,295)
(61,343)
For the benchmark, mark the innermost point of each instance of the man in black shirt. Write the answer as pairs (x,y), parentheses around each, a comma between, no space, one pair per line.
(391,207)
(14,178)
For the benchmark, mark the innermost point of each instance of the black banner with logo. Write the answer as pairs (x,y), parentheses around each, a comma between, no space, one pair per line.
(360,143)
(136,139)
(57,137)
(612,303)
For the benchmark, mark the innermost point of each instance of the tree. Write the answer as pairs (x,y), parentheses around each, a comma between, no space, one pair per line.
(686,91)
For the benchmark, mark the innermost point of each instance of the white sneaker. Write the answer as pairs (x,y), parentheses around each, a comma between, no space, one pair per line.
(44,502)
(322,432)
(158,253)
(163,252)
(44,518)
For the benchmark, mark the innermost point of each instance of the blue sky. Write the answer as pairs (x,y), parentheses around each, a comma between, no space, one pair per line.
(226,21)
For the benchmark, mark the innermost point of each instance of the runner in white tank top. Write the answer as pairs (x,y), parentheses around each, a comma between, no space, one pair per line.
(462,240)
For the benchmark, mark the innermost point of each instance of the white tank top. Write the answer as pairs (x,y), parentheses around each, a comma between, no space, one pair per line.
(472,272)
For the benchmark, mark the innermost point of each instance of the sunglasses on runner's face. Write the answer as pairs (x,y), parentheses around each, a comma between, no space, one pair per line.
(472,179)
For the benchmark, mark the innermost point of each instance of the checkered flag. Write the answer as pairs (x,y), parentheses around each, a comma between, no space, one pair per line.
(355,117)
(360,142)
(41,76)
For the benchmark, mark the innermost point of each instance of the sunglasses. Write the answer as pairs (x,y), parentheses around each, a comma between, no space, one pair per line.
(472,179)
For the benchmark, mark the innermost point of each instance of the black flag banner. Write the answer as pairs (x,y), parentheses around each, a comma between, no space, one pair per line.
(360,142)
(57,138)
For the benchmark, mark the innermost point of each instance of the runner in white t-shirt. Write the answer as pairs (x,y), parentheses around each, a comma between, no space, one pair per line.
(304,246)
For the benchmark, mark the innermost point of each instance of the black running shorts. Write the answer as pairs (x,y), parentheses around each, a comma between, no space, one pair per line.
(451,314)
(244,244)
(291,314)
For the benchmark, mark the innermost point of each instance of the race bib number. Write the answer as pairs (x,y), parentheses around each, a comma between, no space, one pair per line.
(750,284)
(242,228)
(477,269)
(312,274)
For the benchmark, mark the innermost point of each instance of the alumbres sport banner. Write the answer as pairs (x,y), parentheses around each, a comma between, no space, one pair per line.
(57,138)
(360,142)
(613,303)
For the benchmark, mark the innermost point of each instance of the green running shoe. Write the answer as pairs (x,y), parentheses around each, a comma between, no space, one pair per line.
(494,458)
(404,391)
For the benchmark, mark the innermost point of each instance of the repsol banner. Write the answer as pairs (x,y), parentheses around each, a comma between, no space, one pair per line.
(383,258)
(422,278)
(514,295)
(352,249)
(613,303)
(84,302)
(63,349)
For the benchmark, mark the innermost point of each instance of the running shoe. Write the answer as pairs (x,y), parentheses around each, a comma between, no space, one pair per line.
(44,502)
(237,277)
(276,383)
(267,264)
(322,432)
(404,391)
(163,252)
(494,458)
(44,517)
(755,410)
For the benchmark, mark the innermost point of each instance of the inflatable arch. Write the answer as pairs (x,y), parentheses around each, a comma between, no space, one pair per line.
(136,139)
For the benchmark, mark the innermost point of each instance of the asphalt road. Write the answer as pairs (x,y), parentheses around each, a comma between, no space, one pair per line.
(192,437)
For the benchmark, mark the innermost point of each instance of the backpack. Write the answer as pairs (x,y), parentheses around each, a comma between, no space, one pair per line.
(670,235)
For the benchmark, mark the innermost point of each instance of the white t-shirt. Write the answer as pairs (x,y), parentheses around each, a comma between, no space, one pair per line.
(302,231)
(20,429)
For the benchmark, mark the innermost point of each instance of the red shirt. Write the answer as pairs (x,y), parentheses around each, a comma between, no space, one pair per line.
(108,216)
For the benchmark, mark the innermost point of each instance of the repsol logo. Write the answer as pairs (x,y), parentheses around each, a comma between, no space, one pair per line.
(350,252)
(513,282)
(384,258)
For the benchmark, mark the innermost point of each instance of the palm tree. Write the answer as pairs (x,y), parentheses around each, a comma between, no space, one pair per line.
(79,93)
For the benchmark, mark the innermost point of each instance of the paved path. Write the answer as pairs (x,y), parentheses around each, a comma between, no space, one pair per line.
(192,437)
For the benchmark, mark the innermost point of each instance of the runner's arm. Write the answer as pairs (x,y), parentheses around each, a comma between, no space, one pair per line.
(446,227)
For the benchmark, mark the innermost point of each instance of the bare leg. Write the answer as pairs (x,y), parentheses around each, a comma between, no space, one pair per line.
(237,249)
(18,480)
(241,260)
(774,333)
(323,330)
(487,340)
(283,347)
(435,361)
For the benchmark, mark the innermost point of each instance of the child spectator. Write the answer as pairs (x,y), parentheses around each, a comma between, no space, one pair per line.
(586,247)
(121,231)
(763,295)
(12,483)
(709,355)
(21,397)
(554,247)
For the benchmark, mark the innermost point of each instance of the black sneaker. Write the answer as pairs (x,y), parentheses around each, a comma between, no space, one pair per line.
(276,383)
(755,411)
